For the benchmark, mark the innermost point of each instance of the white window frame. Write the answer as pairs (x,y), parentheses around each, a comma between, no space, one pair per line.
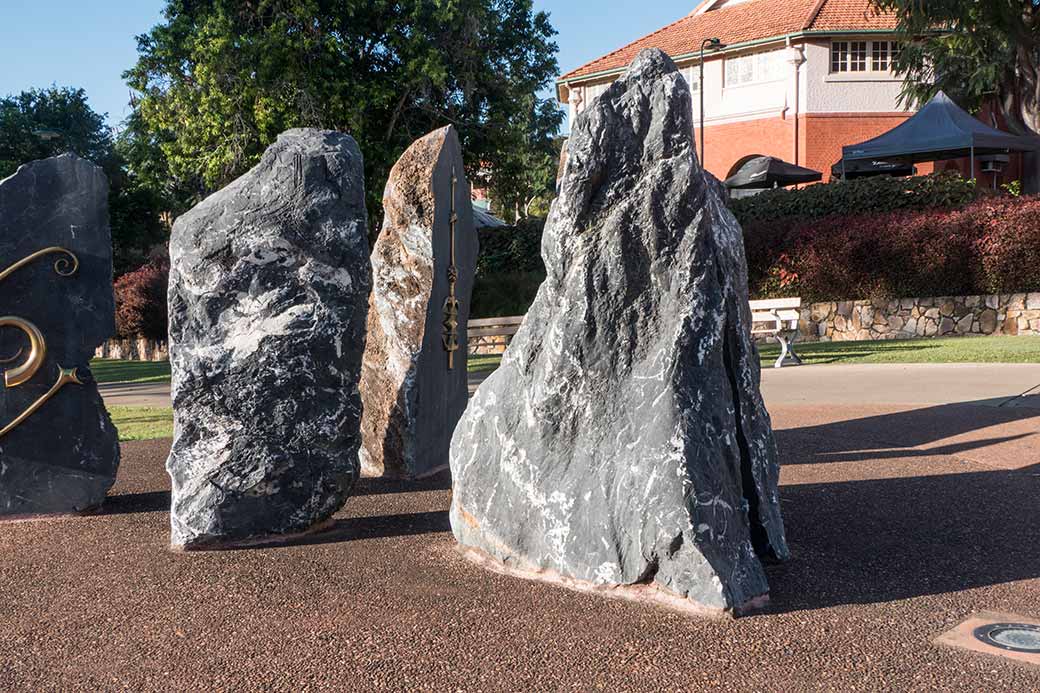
(764,66)
(857,56)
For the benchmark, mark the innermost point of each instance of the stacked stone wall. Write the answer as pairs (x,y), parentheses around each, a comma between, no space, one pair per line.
(908,318)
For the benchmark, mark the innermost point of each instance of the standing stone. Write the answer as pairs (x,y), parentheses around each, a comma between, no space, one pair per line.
(415,389)
(63,457)
(269,284)
(623,444)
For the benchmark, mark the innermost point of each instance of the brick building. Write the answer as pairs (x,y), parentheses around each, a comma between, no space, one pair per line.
(797,79)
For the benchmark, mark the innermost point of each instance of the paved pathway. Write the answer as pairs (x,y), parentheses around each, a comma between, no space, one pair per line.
(997,385)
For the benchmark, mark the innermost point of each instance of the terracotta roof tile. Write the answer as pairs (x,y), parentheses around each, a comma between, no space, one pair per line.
(851,15)
(738,23)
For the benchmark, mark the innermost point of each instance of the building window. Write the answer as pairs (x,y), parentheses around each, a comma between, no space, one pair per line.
(756,67)
(863,56)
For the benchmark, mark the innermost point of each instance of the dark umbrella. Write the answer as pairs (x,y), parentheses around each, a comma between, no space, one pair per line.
(872,167)
(768,172)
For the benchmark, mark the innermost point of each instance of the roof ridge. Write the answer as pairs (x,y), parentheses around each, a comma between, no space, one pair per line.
(813,14)
(630,43)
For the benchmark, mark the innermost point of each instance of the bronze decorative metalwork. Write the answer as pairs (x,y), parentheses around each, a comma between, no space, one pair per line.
(13,377)
(451,304)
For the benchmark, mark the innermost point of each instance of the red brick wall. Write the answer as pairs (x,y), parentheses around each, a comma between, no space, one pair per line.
(820,139)
(727,144)
(824,134)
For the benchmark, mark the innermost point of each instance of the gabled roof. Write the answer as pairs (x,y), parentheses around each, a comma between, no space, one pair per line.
(744,22)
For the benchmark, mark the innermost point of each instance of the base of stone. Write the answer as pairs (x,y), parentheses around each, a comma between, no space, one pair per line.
(376,474)
(269,541)
(41,517)
(64,515)
(653,595)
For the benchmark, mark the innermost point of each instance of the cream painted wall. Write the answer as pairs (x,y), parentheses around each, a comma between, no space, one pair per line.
(867,92)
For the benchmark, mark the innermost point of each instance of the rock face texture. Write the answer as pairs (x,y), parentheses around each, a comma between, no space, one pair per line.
(415,389)
(63,456)
(623,444)
(269,285)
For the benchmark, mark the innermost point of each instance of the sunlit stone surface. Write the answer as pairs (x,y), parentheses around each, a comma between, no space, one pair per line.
(413,394)
(269,292)
(624,445)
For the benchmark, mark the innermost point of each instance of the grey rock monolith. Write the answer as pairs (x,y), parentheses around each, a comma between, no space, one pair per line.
(269,285)
(62,455)
(414,387)
(623,445)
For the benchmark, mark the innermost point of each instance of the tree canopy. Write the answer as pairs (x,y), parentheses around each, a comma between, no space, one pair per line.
(977,52)
(41,123)
(220,79)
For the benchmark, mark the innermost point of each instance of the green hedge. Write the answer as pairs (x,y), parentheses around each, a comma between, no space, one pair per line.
(876,195)
(511,249)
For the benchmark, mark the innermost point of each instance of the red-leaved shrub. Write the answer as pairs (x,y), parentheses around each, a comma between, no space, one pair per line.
(989,246)
(141,302)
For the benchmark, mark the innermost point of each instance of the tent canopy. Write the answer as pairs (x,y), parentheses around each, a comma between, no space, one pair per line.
(765,172)
(941,130)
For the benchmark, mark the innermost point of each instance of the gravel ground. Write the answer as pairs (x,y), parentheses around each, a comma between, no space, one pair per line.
(897,533)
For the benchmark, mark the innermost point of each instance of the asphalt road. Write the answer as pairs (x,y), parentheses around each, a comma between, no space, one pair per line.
(902,521)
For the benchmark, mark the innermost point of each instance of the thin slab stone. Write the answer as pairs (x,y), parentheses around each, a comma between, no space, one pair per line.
(63,457)
(623,445)
(269,285)
(413,387)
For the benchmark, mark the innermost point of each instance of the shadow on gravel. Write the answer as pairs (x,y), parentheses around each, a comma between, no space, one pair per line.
(868,438)
(862,542)
(873,541)
(356,528)
(377,486)
(130,503)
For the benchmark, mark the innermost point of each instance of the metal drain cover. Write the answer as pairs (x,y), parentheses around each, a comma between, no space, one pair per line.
(1013,637)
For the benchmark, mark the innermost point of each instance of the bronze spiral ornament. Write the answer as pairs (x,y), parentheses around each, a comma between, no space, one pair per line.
(64,266)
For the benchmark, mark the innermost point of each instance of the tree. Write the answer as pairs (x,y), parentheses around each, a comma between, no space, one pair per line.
(40,123)
(979,53)
(220,79)
(524,179)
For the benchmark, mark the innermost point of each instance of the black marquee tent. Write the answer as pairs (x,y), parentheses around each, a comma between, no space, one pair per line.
(940,130)
(764,172)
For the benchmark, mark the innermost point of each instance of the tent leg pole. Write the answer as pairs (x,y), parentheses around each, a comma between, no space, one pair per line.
(973,163)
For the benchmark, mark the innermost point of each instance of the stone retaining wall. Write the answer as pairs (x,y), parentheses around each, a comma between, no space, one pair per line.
(1010,314)
(133,350)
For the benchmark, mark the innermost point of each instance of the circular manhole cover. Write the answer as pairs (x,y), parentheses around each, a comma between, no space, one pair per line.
(1015,637)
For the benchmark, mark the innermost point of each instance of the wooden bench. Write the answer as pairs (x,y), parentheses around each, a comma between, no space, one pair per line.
(491,335)
(778,317)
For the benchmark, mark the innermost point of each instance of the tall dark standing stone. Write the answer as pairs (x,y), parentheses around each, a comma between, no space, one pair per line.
(269,285)
(62,457)
(423,264)
(623,444)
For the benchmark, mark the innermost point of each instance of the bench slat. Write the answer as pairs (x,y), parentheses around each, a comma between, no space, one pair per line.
(496,322)
(493,331)
(775,303)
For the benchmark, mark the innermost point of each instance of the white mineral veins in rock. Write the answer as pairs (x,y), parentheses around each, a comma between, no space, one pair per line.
(624,445)
(269,285)
(412,398)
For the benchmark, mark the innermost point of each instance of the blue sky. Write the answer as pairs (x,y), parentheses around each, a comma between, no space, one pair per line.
(89,43)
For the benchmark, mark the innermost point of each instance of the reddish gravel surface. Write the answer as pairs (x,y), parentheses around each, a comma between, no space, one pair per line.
(902,523)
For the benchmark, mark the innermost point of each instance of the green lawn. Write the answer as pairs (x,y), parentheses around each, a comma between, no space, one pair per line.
(944,350)
(483,362)
(112,371)
(142,423)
